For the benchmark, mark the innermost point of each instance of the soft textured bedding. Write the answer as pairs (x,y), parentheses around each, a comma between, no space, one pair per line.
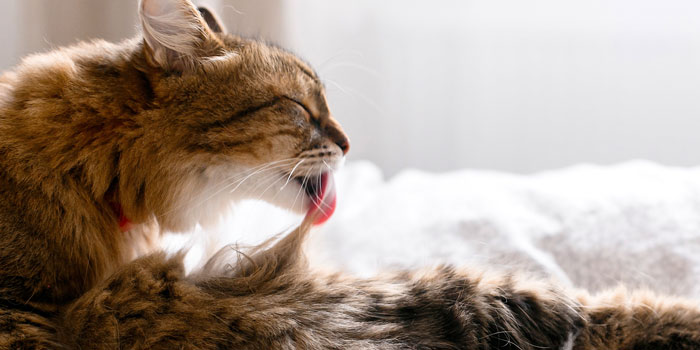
(592,227)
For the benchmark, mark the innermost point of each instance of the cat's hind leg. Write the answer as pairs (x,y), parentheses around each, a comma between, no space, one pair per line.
(148,304)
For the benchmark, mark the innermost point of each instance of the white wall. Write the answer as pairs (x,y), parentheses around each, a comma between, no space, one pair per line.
(9,28)
(29,26)
(444,84)
(510,84)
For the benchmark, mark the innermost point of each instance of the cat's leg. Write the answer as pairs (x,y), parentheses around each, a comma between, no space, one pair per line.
(24,328)
(639,321)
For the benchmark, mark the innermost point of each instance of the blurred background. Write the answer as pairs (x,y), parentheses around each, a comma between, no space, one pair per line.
(511,85)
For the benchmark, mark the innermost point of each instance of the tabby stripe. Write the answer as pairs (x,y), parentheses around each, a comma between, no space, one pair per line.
(9,305)
(248,141)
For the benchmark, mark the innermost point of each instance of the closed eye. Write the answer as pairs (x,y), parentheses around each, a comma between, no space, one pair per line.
(208,126)
(205,127)
(302,105)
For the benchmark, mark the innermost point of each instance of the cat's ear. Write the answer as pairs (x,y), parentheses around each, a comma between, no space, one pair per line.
(176,35)
(212,20)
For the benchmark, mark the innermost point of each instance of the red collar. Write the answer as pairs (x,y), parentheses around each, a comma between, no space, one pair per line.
(124,223)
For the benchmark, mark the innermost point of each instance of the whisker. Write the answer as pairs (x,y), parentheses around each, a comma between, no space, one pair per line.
(238,182)
(240,179)
(291,173)
(355,53)
(303,184)
(321,171)
(359,95)
(336,85)
(263,180)
(349,64)
(280,177)
(320,198)
(246,178)
(234,9)
(327,166)
(254,170)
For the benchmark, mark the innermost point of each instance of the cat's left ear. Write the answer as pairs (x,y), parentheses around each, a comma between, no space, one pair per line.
(212,20)
(176,34)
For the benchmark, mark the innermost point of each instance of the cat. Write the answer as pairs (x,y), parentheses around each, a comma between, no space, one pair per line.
(103,146)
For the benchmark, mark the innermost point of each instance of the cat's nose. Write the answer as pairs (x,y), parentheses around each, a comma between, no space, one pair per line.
(336,134)
(343,143)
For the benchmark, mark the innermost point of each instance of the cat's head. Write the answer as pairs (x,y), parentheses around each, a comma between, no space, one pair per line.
(240,119)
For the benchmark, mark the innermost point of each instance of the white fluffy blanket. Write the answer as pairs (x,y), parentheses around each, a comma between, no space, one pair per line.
(593,227)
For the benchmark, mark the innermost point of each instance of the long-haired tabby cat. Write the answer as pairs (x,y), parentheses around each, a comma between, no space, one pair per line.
(104,145)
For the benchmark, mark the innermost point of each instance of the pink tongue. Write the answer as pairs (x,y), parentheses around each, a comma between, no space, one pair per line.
(325,202)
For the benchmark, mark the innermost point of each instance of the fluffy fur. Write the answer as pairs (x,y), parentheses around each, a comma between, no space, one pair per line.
(162,132)
(271,300)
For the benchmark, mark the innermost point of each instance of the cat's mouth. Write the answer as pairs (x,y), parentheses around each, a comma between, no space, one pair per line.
(321,192)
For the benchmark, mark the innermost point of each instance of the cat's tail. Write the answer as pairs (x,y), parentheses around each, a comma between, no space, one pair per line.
(278,256)
(620,319)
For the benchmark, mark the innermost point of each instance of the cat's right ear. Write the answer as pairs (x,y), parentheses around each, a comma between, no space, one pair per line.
(176,35)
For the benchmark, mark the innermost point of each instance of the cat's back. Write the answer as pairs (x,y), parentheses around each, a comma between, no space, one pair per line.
(49,75)
(51,101)
(7,79)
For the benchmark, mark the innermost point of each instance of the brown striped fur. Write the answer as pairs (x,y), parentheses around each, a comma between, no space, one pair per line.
(158,129)
(270,299)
